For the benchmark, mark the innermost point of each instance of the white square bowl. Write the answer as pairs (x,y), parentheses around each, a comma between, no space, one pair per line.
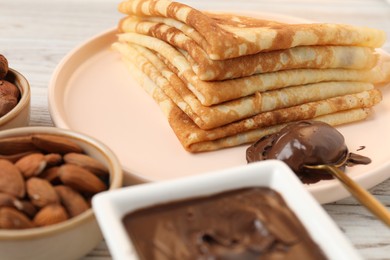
(111,207)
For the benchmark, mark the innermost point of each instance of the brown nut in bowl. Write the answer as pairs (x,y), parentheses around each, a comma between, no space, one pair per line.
(14,97)
(47,179)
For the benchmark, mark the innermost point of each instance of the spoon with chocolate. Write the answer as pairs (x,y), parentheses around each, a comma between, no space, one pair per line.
(316,151)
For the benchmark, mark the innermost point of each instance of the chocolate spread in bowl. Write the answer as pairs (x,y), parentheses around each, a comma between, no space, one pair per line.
(249,223)
(305,142)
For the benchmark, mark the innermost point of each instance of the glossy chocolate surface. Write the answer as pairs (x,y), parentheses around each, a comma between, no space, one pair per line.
(249,223)
(305,143)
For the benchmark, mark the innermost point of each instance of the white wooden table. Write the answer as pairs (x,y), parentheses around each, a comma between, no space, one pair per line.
(36,35)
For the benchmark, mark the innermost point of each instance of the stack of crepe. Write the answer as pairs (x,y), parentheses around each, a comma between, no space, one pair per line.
(224,80)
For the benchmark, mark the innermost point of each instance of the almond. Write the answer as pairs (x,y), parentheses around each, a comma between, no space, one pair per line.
(41,192)
(31,165)
(14,145)
(15,157)
(51,214)
(11,218)
(87,162)
(26,207)
(51,175)
(80,179)
(11,179)
(7,200)
(55,144)
(74,203)
(53,159)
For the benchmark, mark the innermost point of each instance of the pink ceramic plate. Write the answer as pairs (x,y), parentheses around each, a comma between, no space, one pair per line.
(92,92)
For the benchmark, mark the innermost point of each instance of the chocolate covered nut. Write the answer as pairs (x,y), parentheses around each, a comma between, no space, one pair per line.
(9,96)
(3,66)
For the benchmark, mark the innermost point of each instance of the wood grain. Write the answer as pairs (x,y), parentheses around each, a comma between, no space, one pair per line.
(36,35)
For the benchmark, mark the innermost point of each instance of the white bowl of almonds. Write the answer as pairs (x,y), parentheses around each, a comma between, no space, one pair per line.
(48,177)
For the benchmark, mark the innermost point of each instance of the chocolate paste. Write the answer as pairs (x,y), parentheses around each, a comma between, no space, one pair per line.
(305,143)
(249,223)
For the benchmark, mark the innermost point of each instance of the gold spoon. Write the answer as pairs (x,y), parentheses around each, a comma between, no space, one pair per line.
(361,194)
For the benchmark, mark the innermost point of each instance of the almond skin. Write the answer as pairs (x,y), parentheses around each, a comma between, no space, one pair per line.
(11,218)
(55,144)
(11,179)
(50,215)
(51,175)
(16,157)
(53,159)
(32,164)
(81,179)
(41,192)
(15,145)
(87,162)
(74,203)
(7,200)
(26,207)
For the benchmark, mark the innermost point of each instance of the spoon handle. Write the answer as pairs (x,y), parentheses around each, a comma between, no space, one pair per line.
(361,194)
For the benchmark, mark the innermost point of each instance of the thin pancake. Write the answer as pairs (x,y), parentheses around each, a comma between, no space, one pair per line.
(218,115)
(224,36)
(215,92)
(318,57)
(337,110)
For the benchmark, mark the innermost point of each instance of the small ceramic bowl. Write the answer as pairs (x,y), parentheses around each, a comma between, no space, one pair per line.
(111,207)
(75,237)
(20,114)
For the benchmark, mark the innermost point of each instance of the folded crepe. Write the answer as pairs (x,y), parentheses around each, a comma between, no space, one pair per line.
(224,36)
(347,57)
(218,115)
(273,73)
(215,92)
(335,111)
